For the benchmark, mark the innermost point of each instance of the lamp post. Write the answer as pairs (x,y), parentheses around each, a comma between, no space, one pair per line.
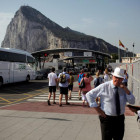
(133,44)
(126,52)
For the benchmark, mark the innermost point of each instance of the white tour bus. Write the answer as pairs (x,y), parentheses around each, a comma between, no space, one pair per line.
(16,66)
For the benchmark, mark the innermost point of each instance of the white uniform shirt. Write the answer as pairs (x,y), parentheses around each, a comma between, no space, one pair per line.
(107,98)
(52,76)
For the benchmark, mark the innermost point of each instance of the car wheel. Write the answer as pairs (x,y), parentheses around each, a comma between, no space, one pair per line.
(1,82)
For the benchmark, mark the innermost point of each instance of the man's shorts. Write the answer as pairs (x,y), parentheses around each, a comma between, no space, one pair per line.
(64,90)
(52,89)
(70,87)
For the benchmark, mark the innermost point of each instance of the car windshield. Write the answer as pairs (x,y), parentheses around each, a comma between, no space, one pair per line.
(38,72)
(45,70)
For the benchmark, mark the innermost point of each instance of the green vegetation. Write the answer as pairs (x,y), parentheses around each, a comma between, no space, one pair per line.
(114,57)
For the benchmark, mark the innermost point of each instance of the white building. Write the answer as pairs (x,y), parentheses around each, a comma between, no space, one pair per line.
(130,59)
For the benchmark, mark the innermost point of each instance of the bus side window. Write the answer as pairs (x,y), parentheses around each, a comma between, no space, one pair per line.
(22,58)
(13,57)
(4,56)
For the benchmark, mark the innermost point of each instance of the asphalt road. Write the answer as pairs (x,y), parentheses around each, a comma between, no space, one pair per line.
(20,92)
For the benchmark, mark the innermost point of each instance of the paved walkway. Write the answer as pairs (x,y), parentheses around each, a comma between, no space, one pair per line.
(38,121)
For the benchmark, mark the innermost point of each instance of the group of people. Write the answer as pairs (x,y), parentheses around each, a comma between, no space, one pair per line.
(87,79)
(113,96)
(65,81)
(67,85)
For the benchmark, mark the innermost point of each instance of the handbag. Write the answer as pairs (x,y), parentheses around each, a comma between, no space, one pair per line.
(82,85)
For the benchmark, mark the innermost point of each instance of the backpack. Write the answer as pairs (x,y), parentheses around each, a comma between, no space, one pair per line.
(62,78)
(80,77)
(82,85)
(71,80)
(97,83)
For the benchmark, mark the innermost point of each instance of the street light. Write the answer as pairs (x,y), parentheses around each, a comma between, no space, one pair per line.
(126,49)
(133,44)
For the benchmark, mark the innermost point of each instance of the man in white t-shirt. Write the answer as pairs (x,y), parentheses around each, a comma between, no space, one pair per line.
(52,77)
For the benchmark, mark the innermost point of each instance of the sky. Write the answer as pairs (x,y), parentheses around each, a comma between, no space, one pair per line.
(110,20)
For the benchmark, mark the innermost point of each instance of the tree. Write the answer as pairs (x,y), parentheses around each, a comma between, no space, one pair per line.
(114,56)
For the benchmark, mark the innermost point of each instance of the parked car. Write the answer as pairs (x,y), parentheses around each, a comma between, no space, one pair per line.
(71,69)
(45,72)
(76,70)
(39,75)
(85,69)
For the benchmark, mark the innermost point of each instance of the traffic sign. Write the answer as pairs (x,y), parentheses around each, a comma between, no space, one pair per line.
(87,53)
(67,53)
(85,61)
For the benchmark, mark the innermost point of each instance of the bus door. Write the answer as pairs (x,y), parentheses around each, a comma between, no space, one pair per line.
(16,71)
(19,72)
(11,71)
(23,71)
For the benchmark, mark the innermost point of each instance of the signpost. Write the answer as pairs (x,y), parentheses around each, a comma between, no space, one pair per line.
(92,60)
(85,61)
(87,53)
(68,54)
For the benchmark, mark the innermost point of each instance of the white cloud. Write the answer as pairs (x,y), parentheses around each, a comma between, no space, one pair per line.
(5,19)
(111,24)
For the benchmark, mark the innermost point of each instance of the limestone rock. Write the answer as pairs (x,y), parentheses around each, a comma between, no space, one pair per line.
(31,31)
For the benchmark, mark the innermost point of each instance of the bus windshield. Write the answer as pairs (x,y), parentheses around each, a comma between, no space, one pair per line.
(31,62)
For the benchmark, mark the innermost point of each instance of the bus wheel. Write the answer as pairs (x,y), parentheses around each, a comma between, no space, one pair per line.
(27,79)
(1,82)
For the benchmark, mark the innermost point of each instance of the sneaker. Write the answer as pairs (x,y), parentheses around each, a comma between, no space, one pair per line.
(67,103)
(49,102)
(54,102)
(79,98)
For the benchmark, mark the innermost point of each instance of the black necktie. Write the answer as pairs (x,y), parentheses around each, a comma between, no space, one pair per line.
(117,101)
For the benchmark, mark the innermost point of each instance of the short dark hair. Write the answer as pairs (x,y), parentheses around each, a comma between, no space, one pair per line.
(64,69)
(70,72)
(87,75)
(53,69)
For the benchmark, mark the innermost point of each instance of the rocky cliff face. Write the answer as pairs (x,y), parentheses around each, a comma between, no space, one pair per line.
(31,31)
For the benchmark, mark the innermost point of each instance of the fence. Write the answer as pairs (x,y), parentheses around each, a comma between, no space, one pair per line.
(133,71)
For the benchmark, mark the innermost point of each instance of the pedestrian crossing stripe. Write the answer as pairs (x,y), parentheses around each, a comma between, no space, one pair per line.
(44,98)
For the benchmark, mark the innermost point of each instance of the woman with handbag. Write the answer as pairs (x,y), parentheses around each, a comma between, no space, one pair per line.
(87,79)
